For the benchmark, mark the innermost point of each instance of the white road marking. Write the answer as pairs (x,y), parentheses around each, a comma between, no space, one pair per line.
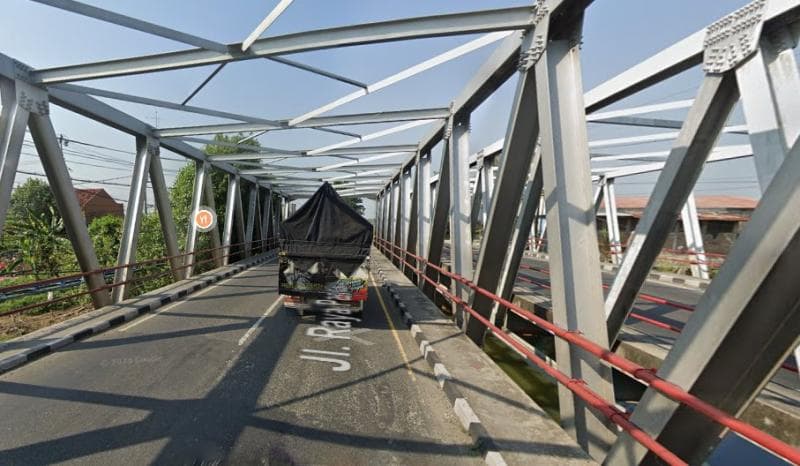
(266,314)
(182,300)
(353,337)
(162,310)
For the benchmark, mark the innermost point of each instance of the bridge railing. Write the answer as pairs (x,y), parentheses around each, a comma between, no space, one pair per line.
(421,268)
(188,260)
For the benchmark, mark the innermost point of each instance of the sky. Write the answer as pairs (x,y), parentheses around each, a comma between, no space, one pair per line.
(617,35)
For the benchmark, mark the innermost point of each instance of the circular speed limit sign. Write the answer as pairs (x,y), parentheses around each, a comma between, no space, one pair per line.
(205,219)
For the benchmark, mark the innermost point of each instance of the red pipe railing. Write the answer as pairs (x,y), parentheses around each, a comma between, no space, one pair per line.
(634,370)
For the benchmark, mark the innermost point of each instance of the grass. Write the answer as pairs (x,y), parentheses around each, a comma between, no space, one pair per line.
(539,386)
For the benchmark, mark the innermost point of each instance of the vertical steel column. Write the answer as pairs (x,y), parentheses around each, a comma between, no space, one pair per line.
(267,216)
(408,182)
(695,140)
(519,152)
(460,224)
(487,189)
(378,207)
(230,213)
(392,211)
(13,121)
(410,243)
(476,201)
(761,103)
(612,220)
(576,293)
(168,230)
(208,196)
(694,238)
(741,331)
(398,217)
(251,220)
(200,173)
(258,235)
(145,147)
(46,141)
(423,203)
(440,218)
(238,218)
(541,225)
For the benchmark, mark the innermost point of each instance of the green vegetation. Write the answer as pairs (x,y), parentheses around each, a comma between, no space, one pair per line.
(34,244)
(538,385)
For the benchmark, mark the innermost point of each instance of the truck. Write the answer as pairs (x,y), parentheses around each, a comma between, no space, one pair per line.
(323,260)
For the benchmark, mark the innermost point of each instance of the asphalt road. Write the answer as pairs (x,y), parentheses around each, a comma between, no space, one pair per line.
(661,312)
(229,376)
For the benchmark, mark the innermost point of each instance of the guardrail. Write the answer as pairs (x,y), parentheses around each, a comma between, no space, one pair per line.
(578,386)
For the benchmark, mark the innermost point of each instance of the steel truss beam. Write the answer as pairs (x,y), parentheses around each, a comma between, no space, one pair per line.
(200,173)
(49,150)
(133,217)
(404,74)
(460,224)
(740,332)
(74,88)
(522,133)
(576,293)
(523,223)
(208,197)
(703,125)
(265,23)
(440,217)
(230,214)
(136,24)
(251,219)
(669,62)
(387,31)
(354,119)
(164,208)
(422,190)
(13,121)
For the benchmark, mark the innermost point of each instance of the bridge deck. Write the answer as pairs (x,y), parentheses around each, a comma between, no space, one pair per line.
(206,379)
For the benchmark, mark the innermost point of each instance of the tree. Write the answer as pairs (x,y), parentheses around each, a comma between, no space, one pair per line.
(39,241)
(32,197)
(183,187)
(356,203)
(106,234)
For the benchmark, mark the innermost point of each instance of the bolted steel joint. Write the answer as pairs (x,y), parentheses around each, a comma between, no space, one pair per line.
(32,99)
(734,38)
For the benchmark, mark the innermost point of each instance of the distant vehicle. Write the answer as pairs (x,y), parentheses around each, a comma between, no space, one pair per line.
(324,252)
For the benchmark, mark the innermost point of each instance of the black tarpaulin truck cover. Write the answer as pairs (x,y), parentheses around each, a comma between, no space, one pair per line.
(326,228)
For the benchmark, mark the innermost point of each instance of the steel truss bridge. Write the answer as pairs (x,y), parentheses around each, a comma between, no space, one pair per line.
(543,172)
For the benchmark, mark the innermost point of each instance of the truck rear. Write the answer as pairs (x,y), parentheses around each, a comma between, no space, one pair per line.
(323,261)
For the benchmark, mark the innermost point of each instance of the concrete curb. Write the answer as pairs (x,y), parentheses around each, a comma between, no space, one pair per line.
(470,422)
(127,311)
(663,277)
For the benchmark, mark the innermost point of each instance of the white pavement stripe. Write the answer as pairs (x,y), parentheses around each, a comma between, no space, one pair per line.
(266,314)
(188,297)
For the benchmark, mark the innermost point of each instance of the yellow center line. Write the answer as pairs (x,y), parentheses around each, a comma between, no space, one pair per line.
(393,329)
